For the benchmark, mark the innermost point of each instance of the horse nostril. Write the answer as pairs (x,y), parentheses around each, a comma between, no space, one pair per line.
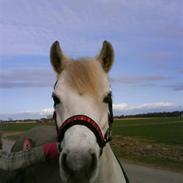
(93,161)
(64,162)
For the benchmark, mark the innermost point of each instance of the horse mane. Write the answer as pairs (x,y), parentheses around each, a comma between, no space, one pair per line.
(85,75)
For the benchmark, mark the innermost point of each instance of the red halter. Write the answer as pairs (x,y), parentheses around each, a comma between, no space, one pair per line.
(85,121)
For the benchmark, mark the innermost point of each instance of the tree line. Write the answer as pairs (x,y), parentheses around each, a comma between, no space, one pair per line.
(178,114)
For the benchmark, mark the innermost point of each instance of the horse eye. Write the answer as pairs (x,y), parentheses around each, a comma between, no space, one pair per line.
(107,98)
(55,99)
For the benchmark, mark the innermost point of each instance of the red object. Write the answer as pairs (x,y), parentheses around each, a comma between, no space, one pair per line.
(51,151)
(27,145)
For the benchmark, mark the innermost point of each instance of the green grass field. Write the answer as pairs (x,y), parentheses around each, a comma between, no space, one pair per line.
(18,127)
(160,130)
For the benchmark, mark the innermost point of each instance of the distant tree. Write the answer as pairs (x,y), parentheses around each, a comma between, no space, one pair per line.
(178,114)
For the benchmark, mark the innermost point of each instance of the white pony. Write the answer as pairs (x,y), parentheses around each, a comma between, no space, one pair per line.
(81,91)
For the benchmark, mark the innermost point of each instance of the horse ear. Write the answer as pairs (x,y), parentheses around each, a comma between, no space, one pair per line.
(106,56)
(57,57)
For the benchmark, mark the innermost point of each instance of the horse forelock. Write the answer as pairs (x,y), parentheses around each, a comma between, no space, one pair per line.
(86,76)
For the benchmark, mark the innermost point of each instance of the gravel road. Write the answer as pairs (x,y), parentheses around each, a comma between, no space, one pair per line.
(142,174)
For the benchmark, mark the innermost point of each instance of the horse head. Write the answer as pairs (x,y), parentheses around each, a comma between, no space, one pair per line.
(81,93)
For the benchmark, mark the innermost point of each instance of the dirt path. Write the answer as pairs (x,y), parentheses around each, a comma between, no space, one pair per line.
(142,174)
(149,152)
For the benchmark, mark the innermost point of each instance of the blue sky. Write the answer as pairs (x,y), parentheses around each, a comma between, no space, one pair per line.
(147,37)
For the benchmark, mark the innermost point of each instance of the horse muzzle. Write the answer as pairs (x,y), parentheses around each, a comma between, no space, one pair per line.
(78,160)
(78,163)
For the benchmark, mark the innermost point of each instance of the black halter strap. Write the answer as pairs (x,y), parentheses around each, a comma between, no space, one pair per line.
(108,133)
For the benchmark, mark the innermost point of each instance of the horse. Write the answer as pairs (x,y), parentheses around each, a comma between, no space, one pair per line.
(83,118)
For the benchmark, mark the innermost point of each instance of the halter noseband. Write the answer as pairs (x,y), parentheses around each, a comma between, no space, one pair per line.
(85,121)
(89,123)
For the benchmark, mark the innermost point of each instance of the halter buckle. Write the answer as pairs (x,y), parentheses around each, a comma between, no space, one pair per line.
(108,135)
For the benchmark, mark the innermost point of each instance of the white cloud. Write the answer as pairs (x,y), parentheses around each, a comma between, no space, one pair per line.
(46,111)
(26,78)
(157,105)
(121,107)
(127,108)
(139,79)
(142,108)
(27,114)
